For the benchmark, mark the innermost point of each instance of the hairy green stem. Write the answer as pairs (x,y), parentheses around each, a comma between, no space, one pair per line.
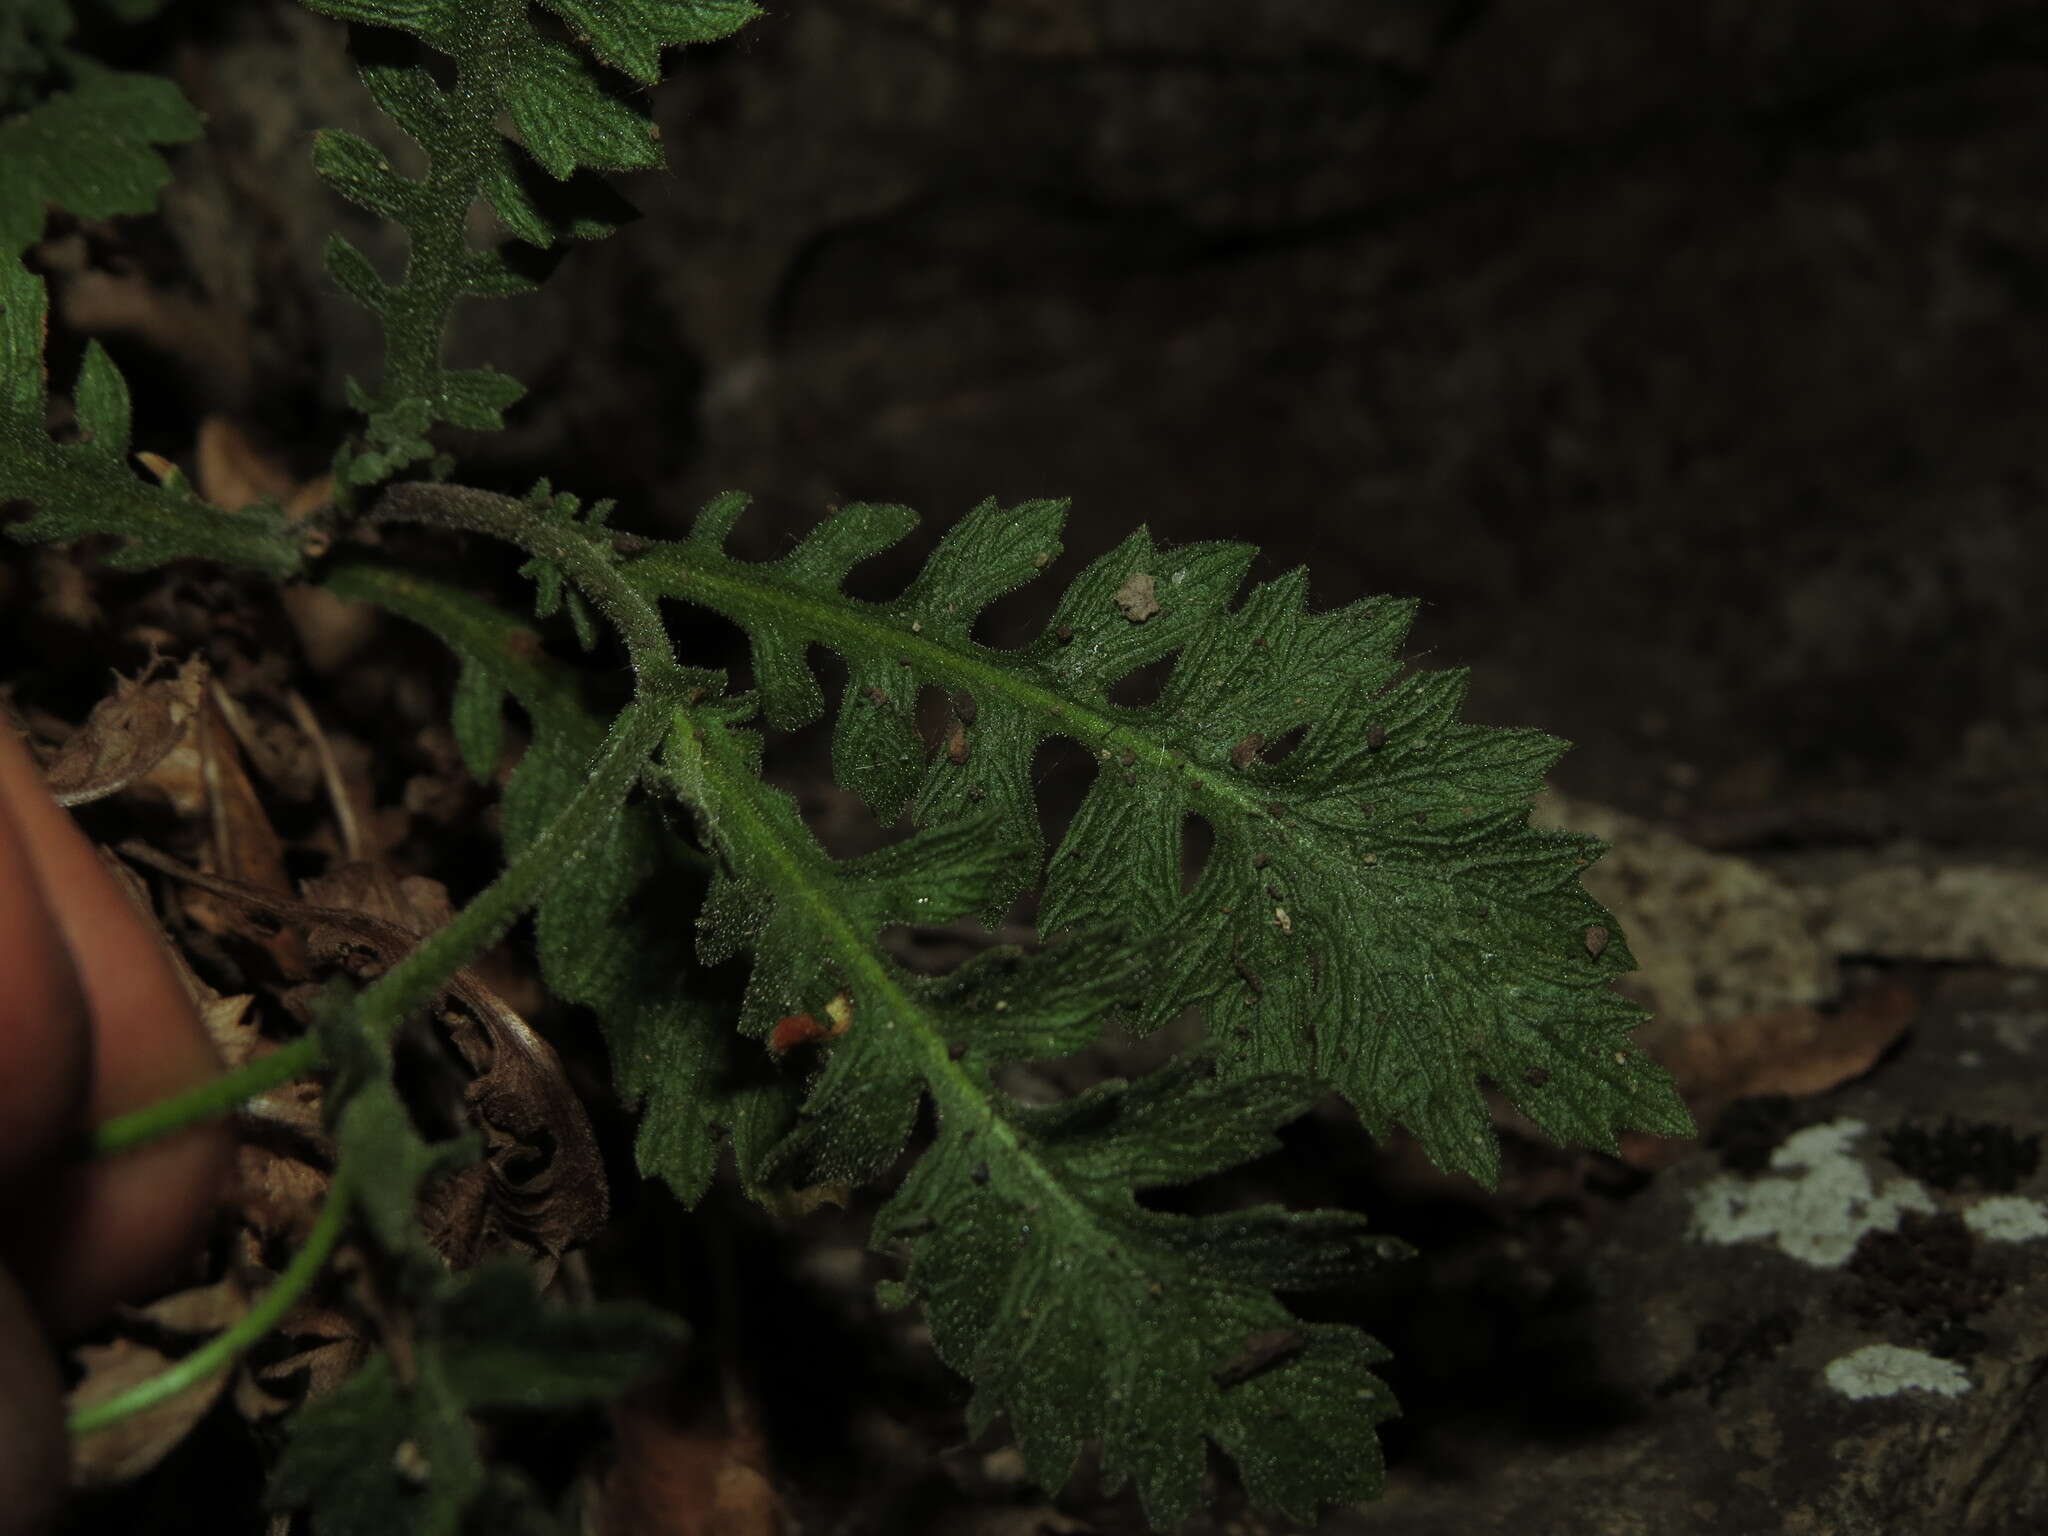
(417,318)
(223,1349)
(211,1099)
(706,762)
(416,979)
(585,560)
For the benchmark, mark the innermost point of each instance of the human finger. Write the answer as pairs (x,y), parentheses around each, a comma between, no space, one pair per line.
(100,1232)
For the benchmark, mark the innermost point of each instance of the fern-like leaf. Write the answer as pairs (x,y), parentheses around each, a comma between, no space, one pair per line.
(84,487)
(89,149)
(1374,911)
(1077,1312)
(573,120)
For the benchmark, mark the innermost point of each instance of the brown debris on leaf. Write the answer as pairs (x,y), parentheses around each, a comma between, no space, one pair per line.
(1138,597)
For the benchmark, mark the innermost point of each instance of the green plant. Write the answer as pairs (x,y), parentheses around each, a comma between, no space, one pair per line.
(1375,916)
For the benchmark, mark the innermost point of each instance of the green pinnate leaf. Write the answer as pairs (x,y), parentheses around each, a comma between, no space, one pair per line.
(1374,912)
(375,1455)
(477,398)
(354,275)
(567,119)
(86,487)
(91,150)
(630,34)
(358,170)
(1091,1317)
(1077,1312)
(572,118)
(101,399)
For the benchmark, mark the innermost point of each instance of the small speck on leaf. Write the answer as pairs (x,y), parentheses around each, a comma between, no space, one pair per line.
(980,1174)
(1138,597)
(956,745)
(1596,940)
(876,695)
(1536,1077)
(1261,860)
(1064,634)
(1260,1353)
(1375,736)
(965,707)
(1246,752)
(410,1463)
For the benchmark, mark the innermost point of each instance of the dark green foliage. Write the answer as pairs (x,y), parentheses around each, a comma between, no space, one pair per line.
(673,1055)
(84,487)
(572,119)
(90,150)
(1374,915)
(1076,1312)
(1374,912)
(383,1453)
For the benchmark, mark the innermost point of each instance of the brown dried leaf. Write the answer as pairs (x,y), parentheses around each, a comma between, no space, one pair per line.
(543,1187)
(279,749)
(1796,1051)
(127,734)
(331,1346)
(200,1311)
(125,1450)
(204,778)
(278,1195)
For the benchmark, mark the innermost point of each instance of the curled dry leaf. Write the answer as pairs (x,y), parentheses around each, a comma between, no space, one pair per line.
(541,1187)
(127,735)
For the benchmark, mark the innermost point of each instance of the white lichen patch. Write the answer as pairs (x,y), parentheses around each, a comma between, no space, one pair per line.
(2008,1218)
(1816,1204)
(1885,1370)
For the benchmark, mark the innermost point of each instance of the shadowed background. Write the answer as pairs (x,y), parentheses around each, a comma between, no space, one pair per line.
(1685,362)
